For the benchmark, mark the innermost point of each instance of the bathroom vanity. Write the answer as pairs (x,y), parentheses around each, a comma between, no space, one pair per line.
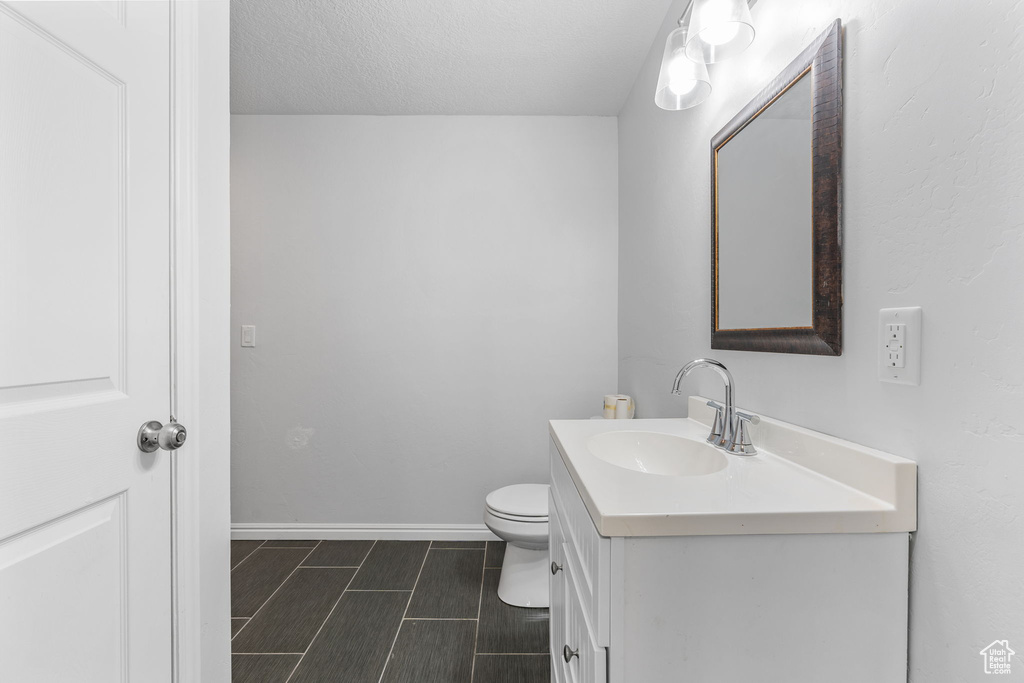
(674,561)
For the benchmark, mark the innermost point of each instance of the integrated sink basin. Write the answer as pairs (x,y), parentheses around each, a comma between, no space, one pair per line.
(657,453)
(643,477)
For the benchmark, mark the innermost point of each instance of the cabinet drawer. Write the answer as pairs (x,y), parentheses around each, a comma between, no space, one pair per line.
(589,663)
(590,551)
(556,582)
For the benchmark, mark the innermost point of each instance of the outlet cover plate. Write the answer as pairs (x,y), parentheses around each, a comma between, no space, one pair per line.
(911,319)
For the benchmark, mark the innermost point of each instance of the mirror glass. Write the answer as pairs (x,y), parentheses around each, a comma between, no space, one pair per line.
(764,217)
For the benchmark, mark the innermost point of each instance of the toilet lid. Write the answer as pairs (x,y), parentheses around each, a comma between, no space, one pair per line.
(521,500)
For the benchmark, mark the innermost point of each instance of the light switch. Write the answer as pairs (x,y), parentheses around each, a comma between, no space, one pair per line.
(899,345)
(249,335)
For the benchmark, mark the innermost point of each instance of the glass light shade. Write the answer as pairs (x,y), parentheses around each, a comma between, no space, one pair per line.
(718,29)
(682,82)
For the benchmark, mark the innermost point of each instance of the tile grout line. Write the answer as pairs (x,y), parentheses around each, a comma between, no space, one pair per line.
(246,620)
(276,589)
(361,563)
(295,668)
(401,623)
(479,609)
(483,561)
(247,557)
(336,603)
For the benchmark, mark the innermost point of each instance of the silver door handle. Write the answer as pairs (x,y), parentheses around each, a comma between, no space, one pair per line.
(153,435)
(555,568)
(568,654)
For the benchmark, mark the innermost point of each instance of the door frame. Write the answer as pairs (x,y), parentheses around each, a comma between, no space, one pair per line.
(200,225)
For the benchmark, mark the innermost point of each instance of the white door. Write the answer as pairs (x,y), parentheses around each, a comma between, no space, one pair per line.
(85,585)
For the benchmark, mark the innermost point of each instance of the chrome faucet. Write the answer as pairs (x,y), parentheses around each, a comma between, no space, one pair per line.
(729,430)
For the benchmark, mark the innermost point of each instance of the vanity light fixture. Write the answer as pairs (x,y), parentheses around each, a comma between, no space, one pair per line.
(718,29)
(682,83)
(709,31)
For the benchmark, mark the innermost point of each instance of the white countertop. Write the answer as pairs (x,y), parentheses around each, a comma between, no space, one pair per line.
(800,481)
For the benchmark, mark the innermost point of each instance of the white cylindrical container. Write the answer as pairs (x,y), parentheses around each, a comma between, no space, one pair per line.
(622,409)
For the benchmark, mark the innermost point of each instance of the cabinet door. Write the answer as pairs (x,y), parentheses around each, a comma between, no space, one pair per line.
(556,545)
(589,551)
(584,661)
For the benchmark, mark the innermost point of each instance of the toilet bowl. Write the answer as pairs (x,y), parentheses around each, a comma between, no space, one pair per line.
(518,515)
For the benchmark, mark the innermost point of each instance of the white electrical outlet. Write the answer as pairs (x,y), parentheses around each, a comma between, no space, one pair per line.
(249,336)
(896,336)
(899,345)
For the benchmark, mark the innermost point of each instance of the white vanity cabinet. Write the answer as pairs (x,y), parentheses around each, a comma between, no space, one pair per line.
(579,588)
(721,608)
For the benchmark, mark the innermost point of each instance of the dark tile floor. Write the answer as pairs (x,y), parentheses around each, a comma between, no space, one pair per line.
(379,612)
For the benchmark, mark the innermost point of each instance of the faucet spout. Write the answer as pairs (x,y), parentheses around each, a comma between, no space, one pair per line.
(714,365)
(728,434)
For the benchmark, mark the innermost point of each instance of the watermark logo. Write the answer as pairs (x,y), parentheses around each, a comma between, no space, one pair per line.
(997,657)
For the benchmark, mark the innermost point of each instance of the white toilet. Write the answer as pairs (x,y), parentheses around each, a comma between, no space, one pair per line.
(518,515)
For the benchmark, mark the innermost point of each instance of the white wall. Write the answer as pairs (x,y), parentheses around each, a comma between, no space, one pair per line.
(934,216)
(428,292)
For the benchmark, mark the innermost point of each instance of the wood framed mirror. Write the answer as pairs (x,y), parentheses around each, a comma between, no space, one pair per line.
(776,207)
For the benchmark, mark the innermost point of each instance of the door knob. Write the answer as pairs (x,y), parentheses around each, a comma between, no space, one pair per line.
(568,653)
(153,435)
(555,568)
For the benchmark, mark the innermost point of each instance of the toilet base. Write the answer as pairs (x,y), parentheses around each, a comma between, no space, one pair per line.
(524,577)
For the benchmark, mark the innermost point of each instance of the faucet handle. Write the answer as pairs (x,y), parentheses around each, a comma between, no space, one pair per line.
(718,425)
(748,417)
(742,445)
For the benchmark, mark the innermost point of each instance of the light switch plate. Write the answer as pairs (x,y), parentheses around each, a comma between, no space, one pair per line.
(899,345)
(249,336)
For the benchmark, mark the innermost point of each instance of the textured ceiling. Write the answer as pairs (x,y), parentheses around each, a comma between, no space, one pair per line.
(560,57)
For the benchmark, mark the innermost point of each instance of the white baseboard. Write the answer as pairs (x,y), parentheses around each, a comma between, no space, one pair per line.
(357,532)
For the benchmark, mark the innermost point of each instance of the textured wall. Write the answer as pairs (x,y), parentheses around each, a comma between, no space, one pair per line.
(934,216)
(428,292)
